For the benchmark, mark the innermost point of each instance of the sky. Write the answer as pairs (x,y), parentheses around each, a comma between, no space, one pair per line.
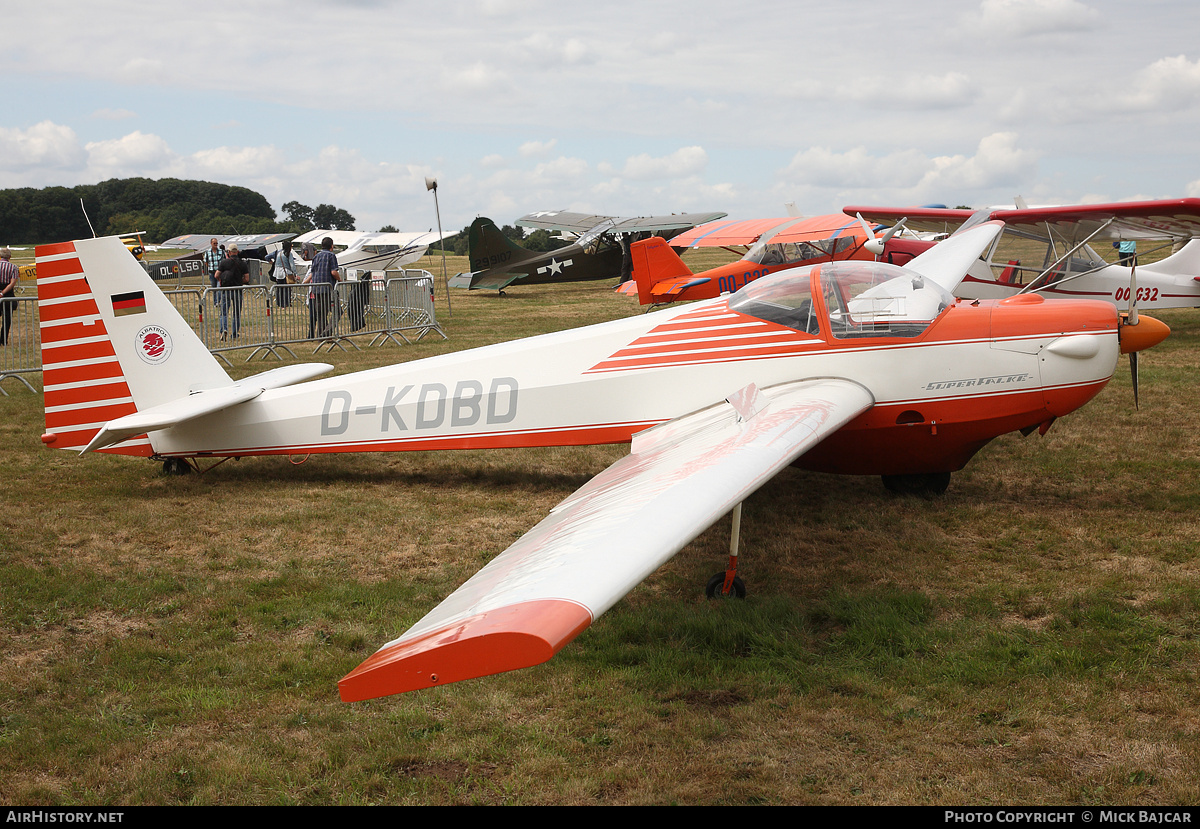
(614,107)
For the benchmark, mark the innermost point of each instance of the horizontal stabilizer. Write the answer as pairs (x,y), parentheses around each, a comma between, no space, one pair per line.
(673,287)
(202,403)
(277,378)
(494,280)
(171,414)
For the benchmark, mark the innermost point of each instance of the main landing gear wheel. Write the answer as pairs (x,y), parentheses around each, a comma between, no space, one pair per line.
(927,484)
(714,588)
(176,466)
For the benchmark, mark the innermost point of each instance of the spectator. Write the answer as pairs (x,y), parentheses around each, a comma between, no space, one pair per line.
(9,275)
(232,274)
(323,274)
(283,274)
(212,261)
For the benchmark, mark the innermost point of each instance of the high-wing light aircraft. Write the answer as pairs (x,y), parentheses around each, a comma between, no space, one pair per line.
(775,245)
(598,252)
(250,245)
(1049,250)
(370,251)
(852,367)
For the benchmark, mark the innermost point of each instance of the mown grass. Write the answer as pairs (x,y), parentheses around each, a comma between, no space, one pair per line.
(1031,637)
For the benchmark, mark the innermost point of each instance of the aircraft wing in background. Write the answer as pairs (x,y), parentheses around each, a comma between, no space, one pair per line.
(581,223)
(1160,219)
(778,230)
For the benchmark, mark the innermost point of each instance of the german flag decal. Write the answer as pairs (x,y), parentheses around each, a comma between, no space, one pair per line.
(126,304)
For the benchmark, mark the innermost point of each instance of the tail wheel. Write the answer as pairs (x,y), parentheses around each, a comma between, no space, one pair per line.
(176,466)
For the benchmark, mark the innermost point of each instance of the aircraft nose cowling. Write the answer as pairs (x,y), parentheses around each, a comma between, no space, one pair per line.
(1147,332)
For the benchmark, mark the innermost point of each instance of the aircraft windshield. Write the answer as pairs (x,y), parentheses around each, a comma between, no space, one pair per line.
(862,299)
(875,299)
(784,298)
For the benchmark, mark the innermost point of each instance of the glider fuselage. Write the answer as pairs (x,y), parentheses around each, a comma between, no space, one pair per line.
(977,371)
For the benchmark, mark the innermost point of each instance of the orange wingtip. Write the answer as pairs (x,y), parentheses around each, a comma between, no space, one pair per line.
(512,637)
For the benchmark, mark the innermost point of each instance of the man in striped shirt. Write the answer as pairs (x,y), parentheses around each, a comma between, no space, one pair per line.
(9,274)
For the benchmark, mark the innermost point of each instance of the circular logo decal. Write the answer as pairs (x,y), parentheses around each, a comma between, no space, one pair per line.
(153,344)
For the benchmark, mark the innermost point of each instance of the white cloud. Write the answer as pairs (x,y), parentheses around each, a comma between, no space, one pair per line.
(235,163)
(997,162)
(476,79)
(686,161)
(1167,81)
(1021,18)
(135,154)
(548,49)
(949,89)
(823,167)
(45,146)
(537,149)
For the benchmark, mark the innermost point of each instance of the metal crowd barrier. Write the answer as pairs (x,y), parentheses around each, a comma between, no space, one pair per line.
(385,308)
(265,318)
(20,339)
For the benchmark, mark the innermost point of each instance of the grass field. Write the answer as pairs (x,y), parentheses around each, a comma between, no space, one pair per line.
(1031,637)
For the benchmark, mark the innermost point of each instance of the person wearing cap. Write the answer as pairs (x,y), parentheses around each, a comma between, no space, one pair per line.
(232,274)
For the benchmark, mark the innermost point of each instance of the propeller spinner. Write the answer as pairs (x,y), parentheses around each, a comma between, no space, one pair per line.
(874,245)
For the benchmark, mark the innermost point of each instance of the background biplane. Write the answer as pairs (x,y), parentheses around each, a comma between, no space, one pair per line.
(1051,250)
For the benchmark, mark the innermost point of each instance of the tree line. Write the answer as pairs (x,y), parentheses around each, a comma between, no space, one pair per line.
(161,208)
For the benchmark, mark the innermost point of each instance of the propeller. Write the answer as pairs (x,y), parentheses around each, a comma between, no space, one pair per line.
(1132,319)
(874,245)
(1137,333)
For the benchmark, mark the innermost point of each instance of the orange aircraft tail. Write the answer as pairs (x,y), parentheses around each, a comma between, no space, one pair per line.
(654,261)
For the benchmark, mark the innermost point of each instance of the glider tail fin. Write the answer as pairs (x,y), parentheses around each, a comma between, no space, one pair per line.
(112,344)
(653,261)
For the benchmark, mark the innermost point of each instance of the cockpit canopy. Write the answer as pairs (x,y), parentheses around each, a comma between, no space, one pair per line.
(861,299)
(769,253)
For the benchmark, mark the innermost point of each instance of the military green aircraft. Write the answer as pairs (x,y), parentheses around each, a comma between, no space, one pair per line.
(601,250)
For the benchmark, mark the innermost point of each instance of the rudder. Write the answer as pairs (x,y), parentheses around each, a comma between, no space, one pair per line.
(653,261)
(112,344)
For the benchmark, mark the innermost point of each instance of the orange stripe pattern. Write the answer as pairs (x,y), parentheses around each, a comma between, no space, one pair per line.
(712,334)
(83,383)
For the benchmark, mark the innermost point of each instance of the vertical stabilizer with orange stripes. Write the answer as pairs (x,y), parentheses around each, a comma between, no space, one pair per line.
(654,261)
(112,344)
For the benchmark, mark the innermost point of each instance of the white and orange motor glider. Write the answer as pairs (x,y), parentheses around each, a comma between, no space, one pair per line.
(854,367)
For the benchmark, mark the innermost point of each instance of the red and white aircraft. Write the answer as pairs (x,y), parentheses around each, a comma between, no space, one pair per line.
(660,276)
(1049,250)
(852,367)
